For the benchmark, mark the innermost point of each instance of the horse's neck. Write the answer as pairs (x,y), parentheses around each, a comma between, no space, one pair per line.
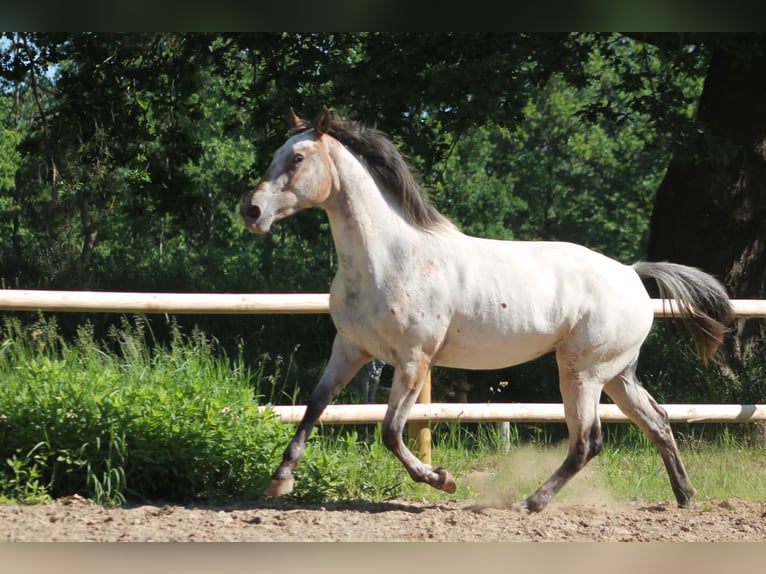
(367,226)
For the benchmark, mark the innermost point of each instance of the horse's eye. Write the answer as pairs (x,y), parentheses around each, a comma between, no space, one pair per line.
(298,158)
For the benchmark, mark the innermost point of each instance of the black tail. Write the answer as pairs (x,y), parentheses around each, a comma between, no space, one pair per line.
(701,302)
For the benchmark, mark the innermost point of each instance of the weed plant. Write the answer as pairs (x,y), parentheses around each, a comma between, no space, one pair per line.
(169,423)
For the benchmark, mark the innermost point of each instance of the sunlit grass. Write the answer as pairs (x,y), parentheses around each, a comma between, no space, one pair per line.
(629,469)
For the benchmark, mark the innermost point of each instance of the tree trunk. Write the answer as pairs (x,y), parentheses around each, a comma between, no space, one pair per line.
(710,209)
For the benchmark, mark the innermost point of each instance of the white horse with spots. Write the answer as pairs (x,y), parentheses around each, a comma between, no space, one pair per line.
(415,292)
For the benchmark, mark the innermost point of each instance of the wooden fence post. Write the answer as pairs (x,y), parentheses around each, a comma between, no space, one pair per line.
(421,430)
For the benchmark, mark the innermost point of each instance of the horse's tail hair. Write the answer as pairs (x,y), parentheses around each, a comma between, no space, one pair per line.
(699,302)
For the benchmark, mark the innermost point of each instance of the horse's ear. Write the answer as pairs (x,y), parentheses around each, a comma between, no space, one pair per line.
(295,121)
(323,122)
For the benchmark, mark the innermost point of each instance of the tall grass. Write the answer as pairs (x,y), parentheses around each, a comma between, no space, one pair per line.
(720,466)
(124,419)
(130,419)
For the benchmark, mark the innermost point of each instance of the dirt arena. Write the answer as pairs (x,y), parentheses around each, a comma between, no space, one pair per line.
(79,520)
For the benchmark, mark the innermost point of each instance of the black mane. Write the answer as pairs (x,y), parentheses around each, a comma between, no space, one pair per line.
(388,165)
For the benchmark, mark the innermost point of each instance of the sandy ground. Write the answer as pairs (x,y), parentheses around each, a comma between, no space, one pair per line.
(77,519)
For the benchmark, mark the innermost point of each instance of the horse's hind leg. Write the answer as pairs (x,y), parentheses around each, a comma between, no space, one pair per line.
(651,418)
(345,360)
(408,381)
(580,393)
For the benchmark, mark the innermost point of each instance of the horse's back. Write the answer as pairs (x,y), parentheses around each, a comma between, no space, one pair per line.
(518,300)
(559,278)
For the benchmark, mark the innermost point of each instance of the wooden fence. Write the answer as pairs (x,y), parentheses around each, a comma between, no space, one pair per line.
(421,414)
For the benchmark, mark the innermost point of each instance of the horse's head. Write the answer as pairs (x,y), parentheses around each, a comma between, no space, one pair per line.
(298,177)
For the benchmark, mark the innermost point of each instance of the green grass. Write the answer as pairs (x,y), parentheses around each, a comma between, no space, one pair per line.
(719,467)
(629,468)
(170,423)
(128,419)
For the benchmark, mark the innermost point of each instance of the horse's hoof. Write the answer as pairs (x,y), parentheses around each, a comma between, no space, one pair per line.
(684,499)
(279,487)
(446,482)
(521,507)
(532,505)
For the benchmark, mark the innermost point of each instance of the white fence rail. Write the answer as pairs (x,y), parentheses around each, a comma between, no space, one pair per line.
(517,412)
(227,303)
(172,303)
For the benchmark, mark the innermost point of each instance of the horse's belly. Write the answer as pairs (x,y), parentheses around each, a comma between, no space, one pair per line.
(494,353)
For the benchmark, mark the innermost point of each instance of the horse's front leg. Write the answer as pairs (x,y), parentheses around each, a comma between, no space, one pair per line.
(346,359)
(408,381)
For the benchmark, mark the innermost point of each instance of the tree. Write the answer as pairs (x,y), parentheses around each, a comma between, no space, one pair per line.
(710,209)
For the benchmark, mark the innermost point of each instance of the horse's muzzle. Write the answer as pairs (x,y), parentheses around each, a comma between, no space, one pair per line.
(250,215)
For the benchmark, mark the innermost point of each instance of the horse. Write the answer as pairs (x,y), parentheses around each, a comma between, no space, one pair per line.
(415,292)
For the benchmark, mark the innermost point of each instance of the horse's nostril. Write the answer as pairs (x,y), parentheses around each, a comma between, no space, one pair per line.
(253,212)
